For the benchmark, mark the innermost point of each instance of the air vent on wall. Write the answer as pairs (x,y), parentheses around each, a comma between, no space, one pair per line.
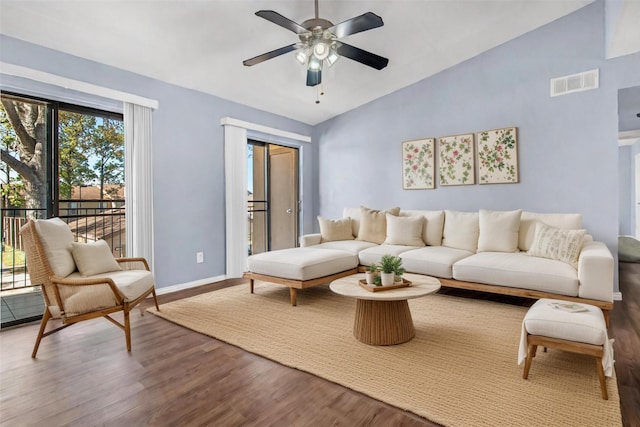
(575,83)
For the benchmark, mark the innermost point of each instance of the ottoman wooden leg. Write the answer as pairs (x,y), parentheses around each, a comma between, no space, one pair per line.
(531,353)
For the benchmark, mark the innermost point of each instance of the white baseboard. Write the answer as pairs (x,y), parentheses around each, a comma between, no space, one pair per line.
(188,285)
(617,296)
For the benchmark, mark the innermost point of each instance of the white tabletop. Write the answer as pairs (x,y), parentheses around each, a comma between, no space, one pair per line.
(420,286)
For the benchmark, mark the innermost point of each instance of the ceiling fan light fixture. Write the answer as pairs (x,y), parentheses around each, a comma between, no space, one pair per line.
(321,50)
(302,56)
(314,64)
(333,55)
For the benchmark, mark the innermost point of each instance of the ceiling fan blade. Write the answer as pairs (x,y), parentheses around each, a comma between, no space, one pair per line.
(278,19)
(362,56)
(314,77)
(364,22)
(261,58)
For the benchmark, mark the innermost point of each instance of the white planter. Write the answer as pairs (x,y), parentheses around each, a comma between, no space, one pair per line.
(387,278)
(371,276)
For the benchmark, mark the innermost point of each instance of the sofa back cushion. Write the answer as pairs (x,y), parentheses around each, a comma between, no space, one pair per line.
(354,214)
(499,231)
(373,224)
(404,230)
(333,230)
(558,220)
(432,227)
(461,230)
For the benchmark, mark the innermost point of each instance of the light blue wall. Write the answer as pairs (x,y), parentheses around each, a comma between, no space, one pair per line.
(568,152)
(189,211)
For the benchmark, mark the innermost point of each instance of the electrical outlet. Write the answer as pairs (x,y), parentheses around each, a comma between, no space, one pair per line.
(199,257)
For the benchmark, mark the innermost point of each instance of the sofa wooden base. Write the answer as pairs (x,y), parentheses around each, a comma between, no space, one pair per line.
(605,306)
(293,284)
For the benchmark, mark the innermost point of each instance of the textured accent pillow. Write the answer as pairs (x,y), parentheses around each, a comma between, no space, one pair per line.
(55,236)
(373,224)
(556,243)
(499,231)
(461,230)
(94,258)
(332,230)
(404,230)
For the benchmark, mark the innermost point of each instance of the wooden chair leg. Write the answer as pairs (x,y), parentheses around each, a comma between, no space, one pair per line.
(603,380)
(127,329)
(155,299)
(43,324)
(531,352)
(294,296)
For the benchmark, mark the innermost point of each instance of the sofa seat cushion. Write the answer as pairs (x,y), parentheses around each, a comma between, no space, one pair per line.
(433,260)
(518,270)
(354,247)
(374,253)
(302,263)
(83,299)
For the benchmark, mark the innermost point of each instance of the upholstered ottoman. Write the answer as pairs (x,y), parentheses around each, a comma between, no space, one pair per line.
(300,268)
(574,327)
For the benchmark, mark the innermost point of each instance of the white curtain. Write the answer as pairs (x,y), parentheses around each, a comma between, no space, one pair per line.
(138,181)
(235,165)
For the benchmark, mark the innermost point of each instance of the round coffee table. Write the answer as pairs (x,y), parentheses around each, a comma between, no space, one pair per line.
(383,317)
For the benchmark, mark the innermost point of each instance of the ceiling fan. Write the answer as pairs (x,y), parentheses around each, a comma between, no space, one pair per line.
(319,40)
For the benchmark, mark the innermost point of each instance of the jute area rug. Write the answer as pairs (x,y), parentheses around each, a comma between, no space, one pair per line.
(460,369)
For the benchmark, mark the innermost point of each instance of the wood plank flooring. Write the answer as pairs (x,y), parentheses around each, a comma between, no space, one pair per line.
(84,376)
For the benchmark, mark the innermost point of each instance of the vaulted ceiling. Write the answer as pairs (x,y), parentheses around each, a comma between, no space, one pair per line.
(200,44)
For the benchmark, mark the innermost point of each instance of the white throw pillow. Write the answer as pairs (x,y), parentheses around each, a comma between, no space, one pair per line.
(404,230)
(373,224)
(558,244)
(55,236)
(499,231)
(461,230)
(433,225)
(333,230)
(94,258)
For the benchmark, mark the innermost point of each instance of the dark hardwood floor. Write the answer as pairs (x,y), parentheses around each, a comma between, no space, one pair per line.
(84,376)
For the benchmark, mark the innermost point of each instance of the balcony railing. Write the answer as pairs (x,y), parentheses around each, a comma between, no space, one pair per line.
(89,220)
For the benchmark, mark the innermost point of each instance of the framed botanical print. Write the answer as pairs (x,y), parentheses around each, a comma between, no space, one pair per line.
(498,156)
(456,160)
(418,164)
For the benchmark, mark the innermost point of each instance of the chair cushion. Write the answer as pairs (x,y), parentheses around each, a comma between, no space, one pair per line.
(433,260)
(83,299)
(404,230)
(94,258)
(56,237)
(302,263)
(499,231)
(518,270)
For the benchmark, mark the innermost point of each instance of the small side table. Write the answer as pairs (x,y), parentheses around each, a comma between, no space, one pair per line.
(384,318)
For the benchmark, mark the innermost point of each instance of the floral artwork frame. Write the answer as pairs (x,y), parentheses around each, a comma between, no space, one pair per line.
(498,156)
(418,164)
(456,160)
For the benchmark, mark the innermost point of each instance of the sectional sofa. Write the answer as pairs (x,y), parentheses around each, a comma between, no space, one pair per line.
(534,255)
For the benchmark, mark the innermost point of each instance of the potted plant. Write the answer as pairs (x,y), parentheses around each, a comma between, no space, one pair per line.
(389,265)
(371,273)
